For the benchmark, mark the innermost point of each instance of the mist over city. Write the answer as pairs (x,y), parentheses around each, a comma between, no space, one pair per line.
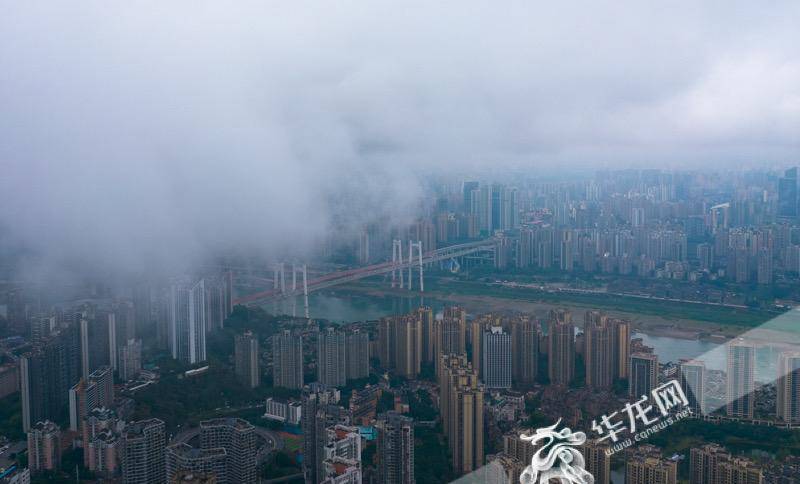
(377,243)
(146,134)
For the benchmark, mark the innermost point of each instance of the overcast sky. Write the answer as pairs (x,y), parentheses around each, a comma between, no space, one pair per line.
(133,131)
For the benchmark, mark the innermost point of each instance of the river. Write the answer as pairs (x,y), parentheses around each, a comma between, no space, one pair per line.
(342,307)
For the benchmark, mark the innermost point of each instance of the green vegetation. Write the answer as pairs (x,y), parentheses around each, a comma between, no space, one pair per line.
(579,381)
(71,462)
(432,463)
(428,372)
(282,465)
(422,407)
(347,390)
(736,437)
(386,402)
(186,401)
(180,400)
(11,417)
(666,309)
(219,344)
(535,418)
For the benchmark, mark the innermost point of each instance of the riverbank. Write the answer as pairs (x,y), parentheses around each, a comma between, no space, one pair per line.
(650,317)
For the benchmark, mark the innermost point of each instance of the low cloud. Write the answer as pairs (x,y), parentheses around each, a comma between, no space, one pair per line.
(149,134)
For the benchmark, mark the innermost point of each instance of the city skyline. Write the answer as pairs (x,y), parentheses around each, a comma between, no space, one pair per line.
(419,243)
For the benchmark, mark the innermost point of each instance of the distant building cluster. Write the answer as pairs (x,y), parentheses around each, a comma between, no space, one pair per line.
(378,390)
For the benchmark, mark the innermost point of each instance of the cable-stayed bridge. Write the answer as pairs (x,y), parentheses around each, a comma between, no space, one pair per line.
(401,268)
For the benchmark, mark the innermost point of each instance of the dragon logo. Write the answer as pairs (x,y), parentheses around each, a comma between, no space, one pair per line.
(557,457)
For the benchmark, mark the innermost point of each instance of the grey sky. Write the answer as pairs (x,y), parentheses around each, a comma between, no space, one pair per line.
(152,130)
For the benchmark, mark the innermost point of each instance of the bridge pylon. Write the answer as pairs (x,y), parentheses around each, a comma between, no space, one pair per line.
(397,262)
(279,277)
(411,246)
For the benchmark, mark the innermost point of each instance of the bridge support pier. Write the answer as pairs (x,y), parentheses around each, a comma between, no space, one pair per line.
(283,279)
(397,261)
(305,289)
(411,246)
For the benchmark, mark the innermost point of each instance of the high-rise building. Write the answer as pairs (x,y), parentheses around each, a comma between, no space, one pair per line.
(183,457)
(518,449)
(644,374)
(705,256)
(339,470)
(287,360)
(566,252)
(246,358)
(318,409)
(238,438)
(598,351)
(125,321)
(476,343)
(343,441)
(461,406)
(143,455)
(357,355)
(430,331)
(409,345)
(217,300)
(764,267)
(468,188)
(44,447)
(400,343)
(130,360)
(740,375)
(143,309)
(395,449)
(326,417)
(111,325)
(788,397)
(560,347)
(692,379)
(386,343)
(712,464)
(94,342)
(482,205)
(524,351)
(102,442)
(331,358)
(597,460)
(451,336)
(342,456)
(40,327)
(496,358)
(645,465)
(621,348)
(508,465)
(188,321)
(46,374)
(95,392)
(787,194)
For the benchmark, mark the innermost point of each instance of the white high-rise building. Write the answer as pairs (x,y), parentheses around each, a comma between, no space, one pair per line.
(130,360)
(692,378)
(741,367)
(188,322)
(331,360)
(287,360)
